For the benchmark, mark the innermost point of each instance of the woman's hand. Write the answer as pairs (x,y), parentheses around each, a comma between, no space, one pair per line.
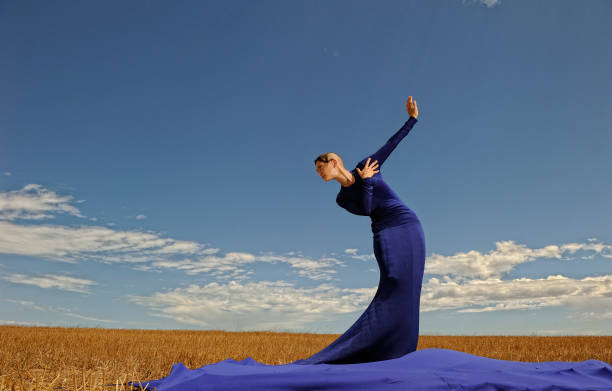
(368,171)
(411,107)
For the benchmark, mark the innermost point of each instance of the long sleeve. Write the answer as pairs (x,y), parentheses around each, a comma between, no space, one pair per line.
(384,151)
(367,190)
(358,198)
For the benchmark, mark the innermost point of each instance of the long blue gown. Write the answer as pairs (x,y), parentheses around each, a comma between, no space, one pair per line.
(378,352)
(389,327)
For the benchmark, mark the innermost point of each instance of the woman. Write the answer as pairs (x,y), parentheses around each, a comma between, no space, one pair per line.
(389,327)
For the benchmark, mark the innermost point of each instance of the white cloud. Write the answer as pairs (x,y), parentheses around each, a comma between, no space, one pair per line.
(146,251)
(334,52)
(33,202)
(69,244)
(494,294)
(20,323)
(587,316)
(230,265)
(353,253)
(57,281)
(488,3)
(60,310)
(262,305)
(141,217)
(570,331)
(7,173)
(505,257)
(319,269)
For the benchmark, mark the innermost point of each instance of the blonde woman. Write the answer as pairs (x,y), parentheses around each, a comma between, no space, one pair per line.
(389,327)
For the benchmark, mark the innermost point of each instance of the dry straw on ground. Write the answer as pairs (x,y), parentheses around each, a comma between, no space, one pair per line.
(83,359)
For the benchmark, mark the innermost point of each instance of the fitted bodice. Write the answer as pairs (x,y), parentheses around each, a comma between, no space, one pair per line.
(385,208)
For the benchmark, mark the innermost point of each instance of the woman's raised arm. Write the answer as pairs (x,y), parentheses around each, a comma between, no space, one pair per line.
(383,153)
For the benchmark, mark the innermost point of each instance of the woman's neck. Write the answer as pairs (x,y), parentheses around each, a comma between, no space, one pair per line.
(347,178)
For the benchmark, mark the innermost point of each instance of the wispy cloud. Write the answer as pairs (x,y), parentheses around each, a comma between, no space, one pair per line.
(149,250)
(353,253)
(587,316)
(488,3)
(333,52)
(505,257)
(68,244)
(494,294)
(263,305)
(232,266)
(33,202)
(62,282)
(268,304)
(314,269)
(60,310)
(146,251)
(569,331)
(20,323)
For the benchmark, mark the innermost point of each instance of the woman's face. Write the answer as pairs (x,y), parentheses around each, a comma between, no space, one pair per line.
(323,169)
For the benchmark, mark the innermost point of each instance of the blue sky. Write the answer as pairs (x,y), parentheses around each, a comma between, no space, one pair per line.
(156,162)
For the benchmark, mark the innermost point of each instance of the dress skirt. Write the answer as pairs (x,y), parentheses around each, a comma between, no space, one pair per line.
(389,326)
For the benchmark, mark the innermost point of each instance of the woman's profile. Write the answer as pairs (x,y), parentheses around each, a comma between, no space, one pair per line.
(389,327)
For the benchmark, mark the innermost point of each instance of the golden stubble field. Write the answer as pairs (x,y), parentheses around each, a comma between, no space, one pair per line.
(58,358)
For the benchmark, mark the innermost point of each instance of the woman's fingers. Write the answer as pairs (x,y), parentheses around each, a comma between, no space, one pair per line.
(369,169)
(367,163)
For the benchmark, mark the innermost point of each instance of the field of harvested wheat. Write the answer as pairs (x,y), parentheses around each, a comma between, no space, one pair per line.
(57,358)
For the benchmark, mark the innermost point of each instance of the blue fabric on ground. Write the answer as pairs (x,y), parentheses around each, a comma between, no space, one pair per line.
(427,370)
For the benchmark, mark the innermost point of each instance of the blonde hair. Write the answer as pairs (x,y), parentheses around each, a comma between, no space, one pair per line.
(327,156)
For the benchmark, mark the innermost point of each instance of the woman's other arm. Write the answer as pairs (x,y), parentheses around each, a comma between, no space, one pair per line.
(367,188)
